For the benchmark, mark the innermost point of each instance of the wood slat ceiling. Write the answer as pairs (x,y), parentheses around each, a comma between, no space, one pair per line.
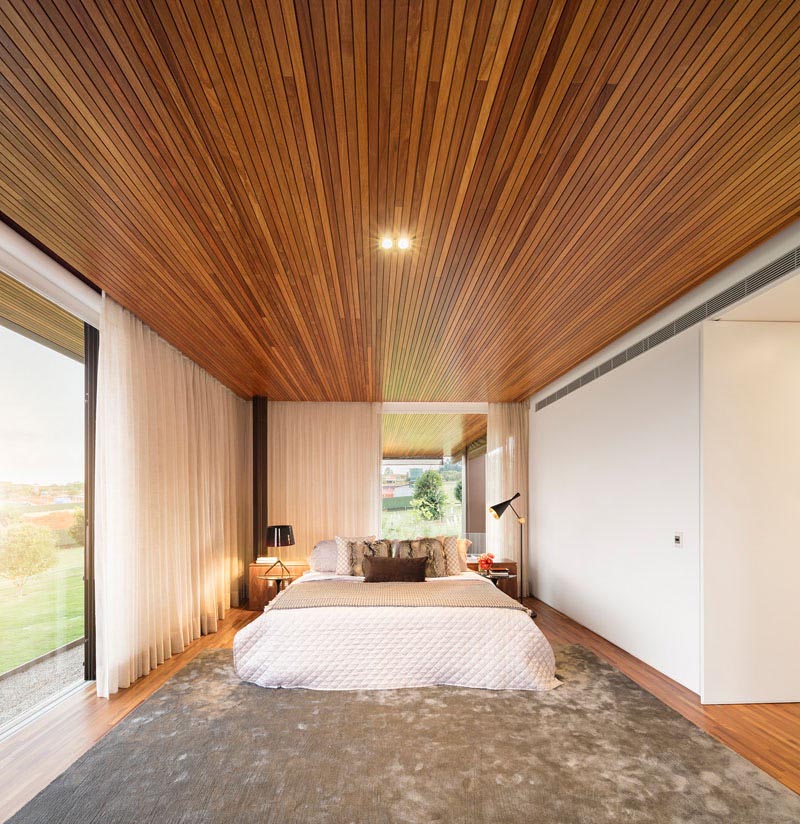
(565,169)
(429,436)
(28,313)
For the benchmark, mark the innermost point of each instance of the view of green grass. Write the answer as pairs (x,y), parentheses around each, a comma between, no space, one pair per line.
(48,615)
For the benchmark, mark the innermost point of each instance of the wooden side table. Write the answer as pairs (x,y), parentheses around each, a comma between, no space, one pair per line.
(505,584)
(261,591)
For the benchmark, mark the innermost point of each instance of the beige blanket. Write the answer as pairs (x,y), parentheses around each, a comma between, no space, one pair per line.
(357,594)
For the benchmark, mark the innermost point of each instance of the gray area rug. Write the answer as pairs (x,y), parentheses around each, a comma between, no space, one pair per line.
(209,748)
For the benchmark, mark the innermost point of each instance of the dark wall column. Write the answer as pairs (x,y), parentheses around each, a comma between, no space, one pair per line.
(91,348)
(259,473)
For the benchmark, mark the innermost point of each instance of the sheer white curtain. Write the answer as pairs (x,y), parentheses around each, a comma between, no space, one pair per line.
(324,469)
(173,500)
(507,473)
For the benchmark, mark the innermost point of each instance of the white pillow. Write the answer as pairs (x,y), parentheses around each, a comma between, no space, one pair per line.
(343,560)
(323,557)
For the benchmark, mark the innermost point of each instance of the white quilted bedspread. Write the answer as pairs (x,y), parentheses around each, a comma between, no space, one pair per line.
(349,648)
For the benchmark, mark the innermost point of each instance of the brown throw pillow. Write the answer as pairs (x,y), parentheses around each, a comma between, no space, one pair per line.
(378,570)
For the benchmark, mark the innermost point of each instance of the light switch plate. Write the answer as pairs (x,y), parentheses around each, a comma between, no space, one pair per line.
(677,540)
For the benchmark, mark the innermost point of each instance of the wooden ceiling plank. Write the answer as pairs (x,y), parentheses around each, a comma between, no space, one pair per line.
(161,264)
(565,169)
(559,64)
(674,167)
(456,274)
(587,320)
(415,340)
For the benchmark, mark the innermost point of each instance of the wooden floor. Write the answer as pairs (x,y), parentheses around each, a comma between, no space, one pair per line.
(766,734)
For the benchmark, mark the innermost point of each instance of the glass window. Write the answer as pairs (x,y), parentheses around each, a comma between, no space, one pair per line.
(41,515)
(422,499)
(432,476)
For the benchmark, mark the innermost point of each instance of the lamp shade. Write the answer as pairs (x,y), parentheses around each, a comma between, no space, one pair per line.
(281,535)
(498,509)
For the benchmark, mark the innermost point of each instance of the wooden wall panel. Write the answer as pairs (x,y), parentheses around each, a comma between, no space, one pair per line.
(565,169)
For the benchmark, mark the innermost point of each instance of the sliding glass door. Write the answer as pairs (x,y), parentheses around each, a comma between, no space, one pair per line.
(42,503)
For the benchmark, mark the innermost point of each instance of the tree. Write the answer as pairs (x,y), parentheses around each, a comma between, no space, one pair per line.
(78,529)
(25,550)
(459,491)
(9,514)
(429,496)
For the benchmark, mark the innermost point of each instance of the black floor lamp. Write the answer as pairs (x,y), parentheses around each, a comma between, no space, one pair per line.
(497,511)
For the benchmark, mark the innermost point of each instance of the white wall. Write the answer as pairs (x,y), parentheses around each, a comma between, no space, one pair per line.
(751,512)
(615,473)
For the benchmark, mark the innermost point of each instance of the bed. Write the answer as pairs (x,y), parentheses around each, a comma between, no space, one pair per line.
(334,632)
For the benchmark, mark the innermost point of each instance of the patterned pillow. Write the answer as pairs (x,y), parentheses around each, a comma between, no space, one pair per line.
(405,549)
(433,550)
(463,550)
(344,555)
(451,557)
(372,549)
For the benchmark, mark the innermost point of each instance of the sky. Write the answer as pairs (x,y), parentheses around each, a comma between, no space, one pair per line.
(41,413)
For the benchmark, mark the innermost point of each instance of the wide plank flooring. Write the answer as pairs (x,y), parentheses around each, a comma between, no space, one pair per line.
(766,734)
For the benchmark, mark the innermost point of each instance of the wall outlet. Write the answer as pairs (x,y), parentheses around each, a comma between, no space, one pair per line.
(677,539)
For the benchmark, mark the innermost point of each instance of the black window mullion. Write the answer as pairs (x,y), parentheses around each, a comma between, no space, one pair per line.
(91,339)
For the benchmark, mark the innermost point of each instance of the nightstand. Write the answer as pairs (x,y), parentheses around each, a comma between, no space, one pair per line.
(507,584)
(263,588)
(278,580)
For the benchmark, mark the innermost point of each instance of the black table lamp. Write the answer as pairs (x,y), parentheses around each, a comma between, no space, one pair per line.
(497,511)
(278,537)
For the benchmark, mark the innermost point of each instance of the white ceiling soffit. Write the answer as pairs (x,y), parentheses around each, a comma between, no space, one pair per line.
(22,261)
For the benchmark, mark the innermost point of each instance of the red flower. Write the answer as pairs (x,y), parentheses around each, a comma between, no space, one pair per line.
(485,561)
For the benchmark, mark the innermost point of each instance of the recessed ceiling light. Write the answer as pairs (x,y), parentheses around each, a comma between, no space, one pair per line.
(386,243)
(403,243)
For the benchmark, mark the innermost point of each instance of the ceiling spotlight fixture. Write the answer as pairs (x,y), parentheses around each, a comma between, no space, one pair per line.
(386,243)
(403,243)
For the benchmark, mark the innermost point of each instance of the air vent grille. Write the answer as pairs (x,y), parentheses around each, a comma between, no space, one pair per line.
(691,318)
(637,349)
(727,298)
(751,284)
(604,367)
(659,337)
